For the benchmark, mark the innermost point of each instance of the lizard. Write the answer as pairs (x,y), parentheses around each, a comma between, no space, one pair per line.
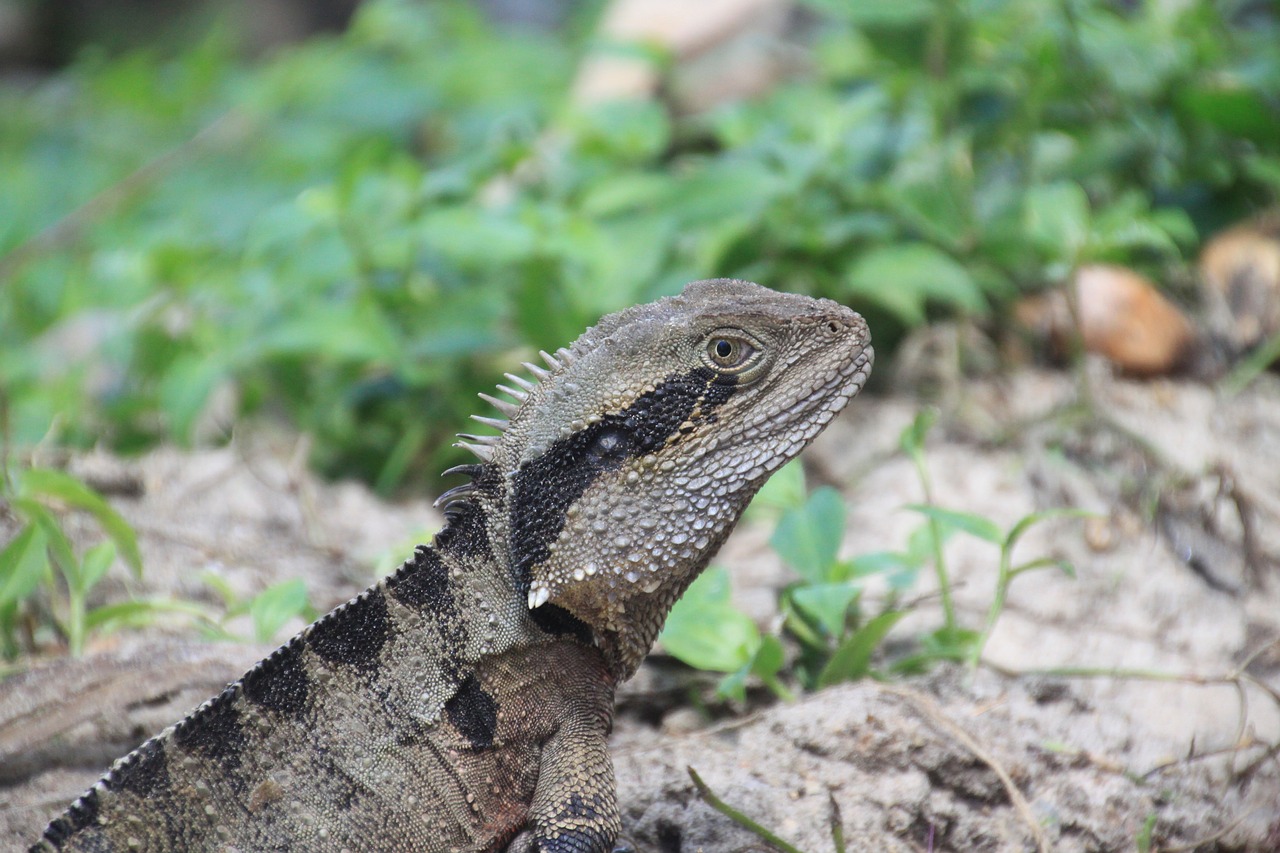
(463,702)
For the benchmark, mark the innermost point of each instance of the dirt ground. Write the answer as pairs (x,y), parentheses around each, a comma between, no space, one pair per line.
(1177,584)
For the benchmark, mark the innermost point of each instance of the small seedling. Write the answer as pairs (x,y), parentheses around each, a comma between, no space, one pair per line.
(44,582)
(269,611)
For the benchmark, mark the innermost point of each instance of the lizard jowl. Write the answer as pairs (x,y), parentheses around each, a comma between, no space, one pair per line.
(463,703)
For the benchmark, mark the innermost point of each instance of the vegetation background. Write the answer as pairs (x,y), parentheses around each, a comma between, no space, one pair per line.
(354,232)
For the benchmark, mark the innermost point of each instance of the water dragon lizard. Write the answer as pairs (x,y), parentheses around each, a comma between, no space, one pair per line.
(463,702)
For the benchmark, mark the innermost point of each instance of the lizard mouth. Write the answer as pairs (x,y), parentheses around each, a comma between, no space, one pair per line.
(821,401)
(842,388)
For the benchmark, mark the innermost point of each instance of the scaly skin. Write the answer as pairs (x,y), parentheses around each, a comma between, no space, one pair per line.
(463,703)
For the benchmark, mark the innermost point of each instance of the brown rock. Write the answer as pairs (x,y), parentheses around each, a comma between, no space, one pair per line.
(720,50)
(1240,283)
(1122,317)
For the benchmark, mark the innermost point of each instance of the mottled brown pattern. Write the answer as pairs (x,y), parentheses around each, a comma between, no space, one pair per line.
(463,703)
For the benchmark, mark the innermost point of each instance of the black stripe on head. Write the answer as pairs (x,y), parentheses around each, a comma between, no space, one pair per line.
(473,713)
(280,682)
(546,487)
(214,732)
(355,633)
(143,773)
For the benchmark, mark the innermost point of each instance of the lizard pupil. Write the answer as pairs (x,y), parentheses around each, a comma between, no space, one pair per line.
(724,349)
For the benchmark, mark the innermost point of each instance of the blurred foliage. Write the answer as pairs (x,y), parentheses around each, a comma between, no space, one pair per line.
(358,233)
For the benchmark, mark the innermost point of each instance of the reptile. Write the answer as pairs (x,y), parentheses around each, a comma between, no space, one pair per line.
(463,703)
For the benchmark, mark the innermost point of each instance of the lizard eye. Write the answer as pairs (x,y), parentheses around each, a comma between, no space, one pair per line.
(728,353)
(731,352)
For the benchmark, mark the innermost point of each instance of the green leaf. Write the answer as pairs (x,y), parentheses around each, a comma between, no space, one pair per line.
(902,278)
(765,664)
(852,659)
(58,545)
(1263,169)
(219,584)
(475,238)
(1236,110)
(705,631)
(97,560)
(974,525)
(1058,220)
(626,131)
(933,193)
(276,605)
(950,643)
(339,332)
(889,13)
(920,544)
(1252,366)
(626,191)
(1061,565)
(1143,838)
(879,562)
(734,684)
(184,389)
(826,603)
(48,483)
(900,568)
(808,537)
(912,438)
(769,658)
(23,563)
(1032,519)
(138,614)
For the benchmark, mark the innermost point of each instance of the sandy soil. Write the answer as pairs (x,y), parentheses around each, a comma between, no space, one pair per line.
(1176,581)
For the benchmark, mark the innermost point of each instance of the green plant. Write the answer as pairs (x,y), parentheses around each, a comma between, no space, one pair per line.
(822,613)
(44,581)
(986,530)
(705,631)
(268,611)
(1144,837)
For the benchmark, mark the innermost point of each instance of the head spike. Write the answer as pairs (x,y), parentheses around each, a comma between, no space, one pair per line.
(496,423)
(485,454)
(538,372)
(457,493)
(468,470)
(514,393)
(508,409)
(565,356)
(521,381)
(550,360)
(487,440)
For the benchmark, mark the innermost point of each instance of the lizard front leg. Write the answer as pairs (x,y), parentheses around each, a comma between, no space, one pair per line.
(575,803)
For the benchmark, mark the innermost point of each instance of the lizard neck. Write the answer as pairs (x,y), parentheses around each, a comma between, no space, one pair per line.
(626,628)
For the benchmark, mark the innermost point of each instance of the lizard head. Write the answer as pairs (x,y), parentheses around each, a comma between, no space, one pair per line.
(626,465)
